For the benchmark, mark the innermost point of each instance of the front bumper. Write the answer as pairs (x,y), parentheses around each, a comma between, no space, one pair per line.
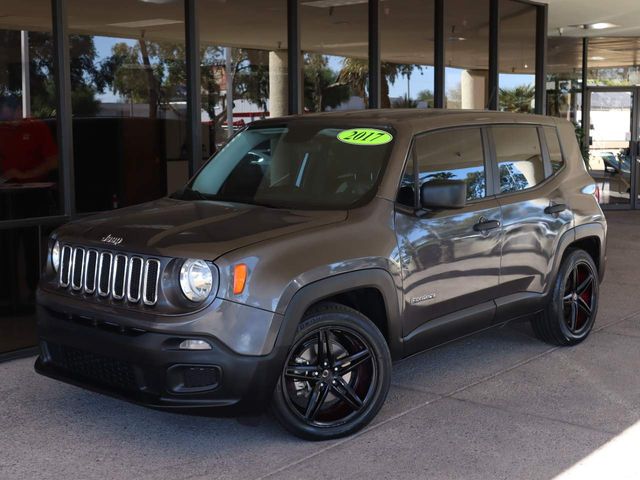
(100,353)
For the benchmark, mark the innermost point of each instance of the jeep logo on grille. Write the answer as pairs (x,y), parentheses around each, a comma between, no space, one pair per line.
(111,239)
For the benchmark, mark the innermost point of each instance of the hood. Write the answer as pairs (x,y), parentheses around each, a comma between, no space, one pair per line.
(195,229)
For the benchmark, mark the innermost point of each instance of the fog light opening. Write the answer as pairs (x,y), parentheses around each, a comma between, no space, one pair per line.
(192,344)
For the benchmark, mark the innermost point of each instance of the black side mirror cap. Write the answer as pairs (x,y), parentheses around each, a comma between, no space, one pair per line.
(442,194)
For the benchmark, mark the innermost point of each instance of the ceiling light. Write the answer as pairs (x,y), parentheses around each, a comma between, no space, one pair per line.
(457,39)
(594,26)
(596,58)
(153,22)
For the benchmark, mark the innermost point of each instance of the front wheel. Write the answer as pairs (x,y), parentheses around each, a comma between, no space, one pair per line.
(569,317)
(336,376)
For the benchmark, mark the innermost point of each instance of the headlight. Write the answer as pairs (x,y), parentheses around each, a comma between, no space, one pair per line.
(55,256)
(196,279)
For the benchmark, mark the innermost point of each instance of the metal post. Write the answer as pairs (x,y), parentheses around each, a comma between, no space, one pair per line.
(541,59)
(494,55)
(194,101)
(585,66)
(294,77)
(64,118)
(228,70)
(374,55)
(438,55)
(26,74)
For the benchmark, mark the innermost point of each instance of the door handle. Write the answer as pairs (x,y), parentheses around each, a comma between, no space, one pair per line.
(557,208)
(483,225)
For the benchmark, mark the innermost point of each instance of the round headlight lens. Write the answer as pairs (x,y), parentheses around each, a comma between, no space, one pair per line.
(196,279)
(55,256)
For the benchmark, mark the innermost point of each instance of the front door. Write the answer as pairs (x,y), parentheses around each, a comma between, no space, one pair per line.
(613,145)
(450,258)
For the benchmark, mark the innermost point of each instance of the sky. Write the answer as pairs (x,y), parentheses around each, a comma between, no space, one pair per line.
(419,80)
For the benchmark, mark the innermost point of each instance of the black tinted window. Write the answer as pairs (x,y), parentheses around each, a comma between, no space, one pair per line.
(519,157)
(553,145)
(453,155)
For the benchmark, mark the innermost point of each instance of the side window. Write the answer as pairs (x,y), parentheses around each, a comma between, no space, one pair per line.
(553,145)
(453,155)
(519,157)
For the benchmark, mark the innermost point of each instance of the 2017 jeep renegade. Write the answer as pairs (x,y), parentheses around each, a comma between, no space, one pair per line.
(312,251)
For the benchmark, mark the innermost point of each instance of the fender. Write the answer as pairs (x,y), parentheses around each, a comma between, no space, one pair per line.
(314,292)
(523,303)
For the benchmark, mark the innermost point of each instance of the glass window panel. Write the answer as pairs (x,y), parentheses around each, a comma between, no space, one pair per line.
(453,155)
(553,146)
(28,145)
(517,56)
(564,78)
(243,48)
(334,37)
(613,61)
(406,52)
(466,53)
(128,88)
(519,157)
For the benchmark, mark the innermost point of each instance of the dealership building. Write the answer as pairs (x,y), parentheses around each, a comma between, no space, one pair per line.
(107,104)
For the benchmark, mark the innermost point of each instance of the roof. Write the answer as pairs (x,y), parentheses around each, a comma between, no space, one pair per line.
(422,119)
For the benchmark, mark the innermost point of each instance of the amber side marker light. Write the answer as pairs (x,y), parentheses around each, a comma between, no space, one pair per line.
(239,278)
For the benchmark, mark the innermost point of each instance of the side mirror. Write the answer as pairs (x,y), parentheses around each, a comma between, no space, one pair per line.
(442,194)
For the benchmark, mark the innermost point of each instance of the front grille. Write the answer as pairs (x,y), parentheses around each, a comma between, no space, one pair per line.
(90,366)
(117,276)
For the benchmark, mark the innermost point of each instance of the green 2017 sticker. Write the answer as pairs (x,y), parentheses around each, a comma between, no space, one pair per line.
(365,136)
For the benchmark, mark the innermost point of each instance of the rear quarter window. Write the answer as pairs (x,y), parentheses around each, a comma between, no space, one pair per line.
(553,146)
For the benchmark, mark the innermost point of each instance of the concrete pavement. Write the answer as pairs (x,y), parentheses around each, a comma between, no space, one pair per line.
(499,404)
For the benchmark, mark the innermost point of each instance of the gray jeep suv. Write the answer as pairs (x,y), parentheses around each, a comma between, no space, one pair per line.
(312,251)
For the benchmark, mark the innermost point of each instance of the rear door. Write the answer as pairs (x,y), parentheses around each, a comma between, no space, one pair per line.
(529,171)
(450,258)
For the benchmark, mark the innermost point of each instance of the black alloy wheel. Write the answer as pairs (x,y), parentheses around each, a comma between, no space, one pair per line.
(573,304)
(336,375)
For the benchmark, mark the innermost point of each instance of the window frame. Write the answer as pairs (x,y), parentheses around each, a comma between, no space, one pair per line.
(412,157)
(548,174)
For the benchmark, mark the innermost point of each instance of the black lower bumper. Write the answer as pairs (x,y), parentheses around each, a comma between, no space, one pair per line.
(147,367)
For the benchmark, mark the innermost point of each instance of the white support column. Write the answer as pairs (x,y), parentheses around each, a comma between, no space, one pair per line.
(473,89)
(26,83)
(278,87)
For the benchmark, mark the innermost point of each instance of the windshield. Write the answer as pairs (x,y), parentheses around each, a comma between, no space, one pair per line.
(300,165)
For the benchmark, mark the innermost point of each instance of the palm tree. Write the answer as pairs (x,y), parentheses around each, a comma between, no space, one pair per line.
(518,99)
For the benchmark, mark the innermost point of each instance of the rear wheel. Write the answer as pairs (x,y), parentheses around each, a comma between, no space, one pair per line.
(336,376)
(569,317)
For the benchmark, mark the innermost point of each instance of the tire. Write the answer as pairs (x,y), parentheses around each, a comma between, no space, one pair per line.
(571,312)
(316,401)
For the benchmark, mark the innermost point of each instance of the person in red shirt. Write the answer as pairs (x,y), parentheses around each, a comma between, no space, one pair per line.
(28,152)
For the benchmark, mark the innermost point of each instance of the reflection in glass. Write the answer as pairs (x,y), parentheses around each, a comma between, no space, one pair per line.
(609,160)
(453,155)
(334,37)
(466,54)
(564,78)
(406,50)
(517,57)
(519,157)
(28,148)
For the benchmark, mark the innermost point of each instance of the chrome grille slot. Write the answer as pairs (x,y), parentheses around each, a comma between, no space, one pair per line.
(119,280)
(150,284)
(91,271)
(104,273)
(134,279)
(65,266)
(77,268)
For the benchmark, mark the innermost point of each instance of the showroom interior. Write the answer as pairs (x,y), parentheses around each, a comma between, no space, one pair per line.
(111,104)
